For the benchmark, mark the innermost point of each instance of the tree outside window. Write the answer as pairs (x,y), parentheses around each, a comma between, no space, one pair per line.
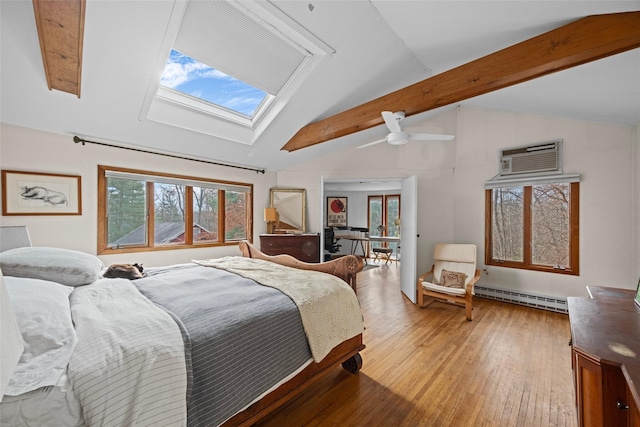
(534,227)
(383,212)
(126,200)
(179,214)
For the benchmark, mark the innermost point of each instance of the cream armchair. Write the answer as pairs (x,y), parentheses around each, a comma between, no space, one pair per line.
(452,276)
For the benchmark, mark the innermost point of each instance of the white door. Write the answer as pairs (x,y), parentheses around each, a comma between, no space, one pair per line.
(321,216)
(409,237)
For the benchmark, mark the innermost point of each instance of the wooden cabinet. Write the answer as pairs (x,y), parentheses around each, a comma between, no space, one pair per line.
(305,247)
(634,411)
(605,339)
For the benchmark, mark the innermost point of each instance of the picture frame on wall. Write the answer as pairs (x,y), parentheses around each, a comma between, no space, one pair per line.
(36,193)
(336,211)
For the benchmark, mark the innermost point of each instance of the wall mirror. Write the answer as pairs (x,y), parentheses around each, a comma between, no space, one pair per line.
(290,204)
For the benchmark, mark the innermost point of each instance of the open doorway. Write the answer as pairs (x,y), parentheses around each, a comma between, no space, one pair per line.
(384,223)
(355,193)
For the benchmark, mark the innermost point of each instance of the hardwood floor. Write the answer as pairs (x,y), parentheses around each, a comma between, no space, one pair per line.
(510,366)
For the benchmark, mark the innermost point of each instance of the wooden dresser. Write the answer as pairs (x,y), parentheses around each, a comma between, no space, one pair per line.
(605,351)
(305,247)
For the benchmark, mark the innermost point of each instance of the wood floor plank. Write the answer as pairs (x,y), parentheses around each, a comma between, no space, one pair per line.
(510,366)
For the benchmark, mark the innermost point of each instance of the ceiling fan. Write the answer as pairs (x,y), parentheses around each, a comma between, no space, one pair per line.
(398,137)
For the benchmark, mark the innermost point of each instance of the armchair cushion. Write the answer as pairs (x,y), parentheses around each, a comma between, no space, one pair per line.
(452,279)
(443,289)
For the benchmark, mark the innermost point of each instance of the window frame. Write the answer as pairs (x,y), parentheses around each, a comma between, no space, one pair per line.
(384,200)
(150,246)
(527,264)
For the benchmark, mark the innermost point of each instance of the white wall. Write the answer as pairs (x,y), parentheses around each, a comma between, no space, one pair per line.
(601,153)
(32,150)
(450,190)
(432,162)
(357,204)
(357,210)
(451,178)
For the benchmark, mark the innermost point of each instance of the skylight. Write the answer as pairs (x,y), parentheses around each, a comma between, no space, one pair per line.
(191,77)
(233,67)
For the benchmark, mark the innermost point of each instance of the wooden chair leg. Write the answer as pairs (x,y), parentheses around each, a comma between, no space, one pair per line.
(468,307)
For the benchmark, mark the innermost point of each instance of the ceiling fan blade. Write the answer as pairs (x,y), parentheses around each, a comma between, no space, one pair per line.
(391,121)
(430,137)
(372,143)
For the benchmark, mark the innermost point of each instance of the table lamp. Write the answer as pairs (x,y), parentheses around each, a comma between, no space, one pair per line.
(397,224)
(271,216)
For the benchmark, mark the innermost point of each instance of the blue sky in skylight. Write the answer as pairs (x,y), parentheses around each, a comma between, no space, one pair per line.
(184,74)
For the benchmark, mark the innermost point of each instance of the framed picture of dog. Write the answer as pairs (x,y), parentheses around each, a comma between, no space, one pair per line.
(36,193)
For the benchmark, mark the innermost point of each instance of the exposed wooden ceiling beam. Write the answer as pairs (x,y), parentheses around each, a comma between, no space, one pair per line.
(60,26)
(585,40)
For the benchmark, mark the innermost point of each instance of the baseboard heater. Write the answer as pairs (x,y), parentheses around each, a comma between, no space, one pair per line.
(558,305)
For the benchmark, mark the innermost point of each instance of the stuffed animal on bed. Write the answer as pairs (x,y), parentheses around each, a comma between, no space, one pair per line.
(124,271)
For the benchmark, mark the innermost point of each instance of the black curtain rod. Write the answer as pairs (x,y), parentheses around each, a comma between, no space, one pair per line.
(77,139)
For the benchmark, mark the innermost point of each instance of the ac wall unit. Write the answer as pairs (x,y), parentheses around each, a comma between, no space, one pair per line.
(540,157)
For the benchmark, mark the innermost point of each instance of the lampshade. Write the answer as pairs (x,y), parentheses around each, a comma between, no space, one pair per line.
(270,214)
(397,222)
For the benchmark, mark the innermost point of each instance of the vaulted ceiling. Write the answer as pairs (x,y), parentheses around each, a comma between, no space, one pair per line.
(376,48)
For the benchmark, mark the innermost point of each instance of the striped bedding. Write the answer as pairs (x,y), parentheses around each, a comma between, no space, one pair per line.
(244,337)
(129,366)
(187,345)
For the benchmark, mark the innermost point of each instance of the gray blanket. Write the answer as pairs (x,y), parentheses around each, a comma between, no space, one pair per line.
(244,337)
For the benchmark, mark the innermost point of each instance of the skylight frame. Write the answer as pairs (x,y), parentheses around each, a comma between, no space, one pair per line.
(205,76)
(205,107)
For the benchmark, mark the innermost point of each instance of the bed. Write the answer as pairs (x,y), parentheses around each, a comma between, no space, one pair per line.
(212,342)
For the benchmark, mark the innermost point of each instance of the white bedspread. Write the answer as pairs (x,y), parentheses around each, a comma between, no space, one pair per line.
(328,307)
(128,368)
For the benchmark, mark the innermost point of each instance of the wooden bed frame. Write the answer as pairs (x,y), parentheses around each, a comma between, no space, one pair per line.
(346,353)
(345,267)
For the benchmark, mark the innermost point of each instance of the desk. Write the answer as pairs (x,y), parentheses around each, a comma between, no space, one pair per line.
(355,242)
(391,239)
(360,242)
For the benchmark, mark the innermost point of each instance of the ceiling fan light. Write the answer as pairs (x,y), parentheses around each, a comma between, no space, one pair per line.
(397,138)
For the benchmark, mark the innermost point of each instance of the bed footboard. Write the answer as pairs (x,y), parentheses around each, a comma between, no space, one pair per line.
(345,267)
(346,353)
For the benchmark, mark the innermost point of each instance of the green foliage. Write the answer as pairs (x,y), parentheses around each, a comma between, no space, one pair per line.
(126,207)
(127,210)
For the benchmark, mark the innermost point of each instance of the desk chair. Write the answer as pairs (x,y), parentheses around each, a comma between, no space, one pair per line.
(331,245)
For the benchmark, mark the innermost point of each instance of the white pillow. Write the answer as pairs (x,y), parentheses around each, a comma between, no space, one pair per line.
(11,344)
(65,266)
(44,317)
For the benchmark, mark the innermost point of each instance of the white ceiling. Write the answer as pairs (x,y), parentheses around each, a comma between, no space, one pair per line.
(380,46)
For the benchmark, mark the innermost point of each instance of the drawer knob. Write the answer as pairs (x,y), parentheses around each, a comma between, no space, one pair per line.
(622,406)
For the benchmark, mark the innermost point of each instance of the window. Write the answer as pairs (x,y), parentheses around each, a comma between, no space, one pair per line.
(142,211)
(191,77)
(533,226)
(230,67)
(384,211)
